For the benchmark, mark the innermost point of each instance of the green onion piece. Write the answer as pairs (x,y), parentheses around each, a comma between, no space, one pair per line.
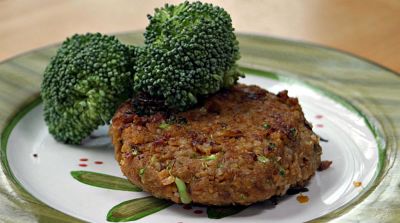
(141,172)
(210,157)
(272,146)
(292,132)
(183,194)
(282,171)
(169,168)
(262,159)
(266,126)
(164,125)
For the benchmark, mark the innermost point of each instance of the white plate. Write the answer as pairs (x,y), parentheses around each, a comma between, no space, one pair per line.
(43,166)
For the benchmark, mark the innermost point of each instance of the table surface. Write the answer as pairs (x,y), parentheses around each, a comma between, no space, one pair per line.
(369,29)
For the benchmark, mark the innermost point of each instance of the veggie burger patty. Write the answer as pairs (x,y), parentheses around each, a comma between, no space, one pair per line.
(242,145)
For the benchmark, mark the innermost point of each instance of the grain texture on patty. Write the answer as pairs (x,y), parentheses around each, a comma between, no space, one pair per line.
(241,146)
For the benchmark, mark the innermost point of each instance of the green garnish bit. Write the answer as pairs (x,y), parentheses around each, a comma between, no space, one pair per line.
(183,194)
(141,172)
(282,171)
(272,146)
(135,152)
(220,165)
(266,126)
(292,132)
(242,196)
(169,166)
(164,125)
(210,157)
(262,159)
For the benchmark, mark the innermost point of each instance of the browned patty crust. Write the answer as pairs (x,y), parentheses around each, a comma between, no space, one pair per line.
(241,146)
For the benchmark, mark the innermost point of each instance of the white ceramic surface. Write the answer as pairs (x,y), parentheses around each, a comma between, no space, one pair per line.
(351,147)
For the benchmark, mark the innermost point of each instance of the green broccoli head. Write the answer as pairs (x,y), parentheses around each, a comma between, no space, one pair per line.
(84,83)
(190,51)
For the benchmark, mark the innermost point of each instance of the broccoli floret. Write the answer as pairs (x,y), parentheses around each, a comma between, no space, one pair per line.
(84,83)
(190,51)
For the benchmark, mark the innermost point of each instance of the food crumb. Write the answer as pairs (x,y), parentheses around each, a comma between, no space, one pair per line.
(296,190)
(325,164)
(302,199)
(274,200)
(83,159)
(198,212)
(35,155)
(323,139)
(357,183)
(187,207)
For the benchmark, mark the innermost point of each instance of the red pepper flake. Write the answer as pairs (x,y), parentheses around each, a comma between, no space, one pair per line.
(198,212)
(302,199)
(159,142)
(83,165)
(127,155)
(357,183)
(319,116)
(83,159)
(187,207)
(98,162)
(319,125)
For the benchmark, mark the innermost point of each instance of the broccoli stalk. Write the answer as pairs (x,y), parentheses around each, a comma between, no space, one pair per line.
(190,51)
(84,83)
